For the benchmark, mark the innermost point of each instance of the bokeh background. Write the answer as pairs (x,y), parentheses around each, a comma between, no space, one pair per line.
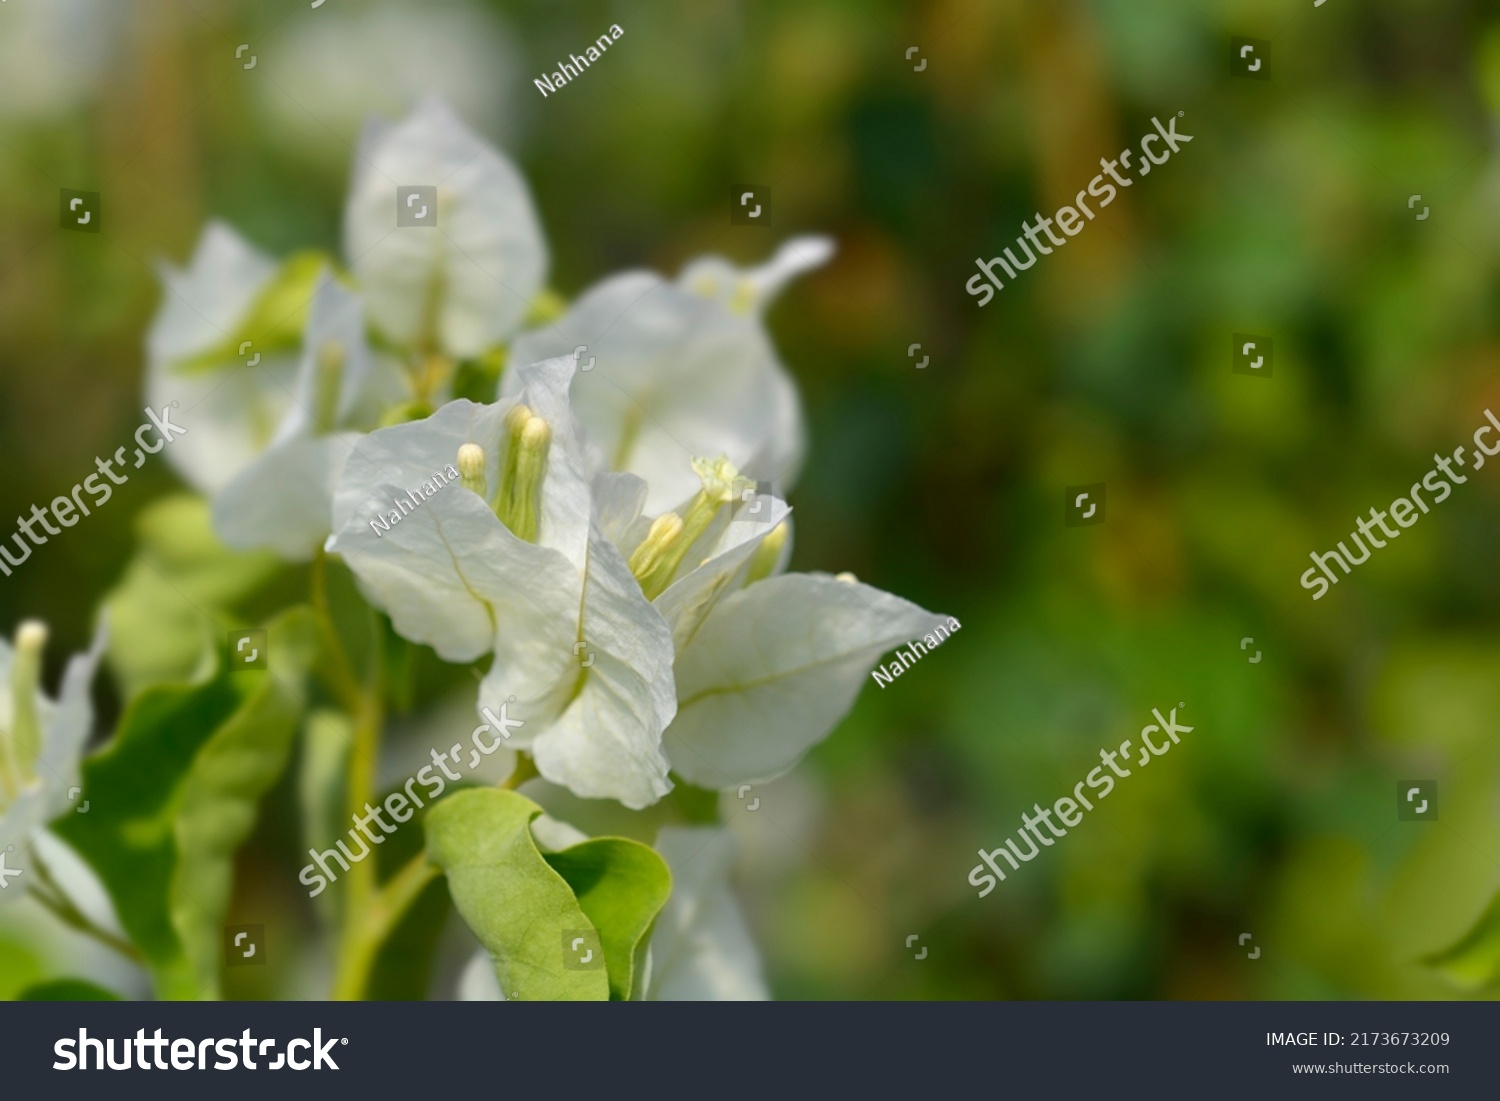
(1108,362)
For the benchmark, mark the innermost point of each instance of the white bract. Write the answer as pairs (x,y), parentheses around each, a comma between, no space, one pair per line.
(41,740)
(700,948)
(764,665)
(508,559)
(194,361)
(271,428)
(458,287)
(772,670)
(283,500)
(683,369)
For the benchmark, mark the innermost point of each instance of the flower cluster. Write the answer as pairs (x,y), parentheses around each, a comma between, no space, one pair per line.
(611,545)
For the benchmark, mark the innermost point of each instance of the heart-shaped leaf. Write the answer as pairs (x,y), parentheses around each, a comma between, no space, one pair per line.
(547,942)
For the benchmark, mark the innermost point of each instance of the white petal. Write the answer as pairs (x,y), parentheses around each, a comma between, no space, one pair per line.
(606,744)
(756,288)
(618,501)
(79,882)
(65,729)
(688,600)
(70,723)
(773,669)
(701,949)
(284,500)
(448,572)
(230,413)
(677,376)
(485,259)
(20,823)
(368,385)
(203,304)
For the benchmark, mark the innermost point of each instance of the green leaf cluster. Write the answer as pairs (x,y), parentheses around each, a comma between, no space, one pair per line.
(176,793)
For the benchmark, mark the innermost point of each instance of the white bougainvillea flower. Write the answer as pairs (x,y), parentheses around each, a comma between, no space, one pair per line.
(459,285)
(682,369)
(766,665)
(712,544)
(474,530)
(773,667)
(231,402)
(700,948)
(41,740)
(283,499)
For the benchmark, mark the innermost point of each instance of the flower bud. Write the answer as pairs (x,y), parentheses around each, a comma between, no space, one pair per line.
(763,561)
(471,469)
(722,484)
(665,531)
(519,502)
(20,745)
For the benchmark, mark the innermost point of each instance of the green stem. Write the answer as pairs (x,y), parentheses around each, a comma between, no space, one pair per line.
(51,896)
(373,922)
(525,770)
(340,675)
(355,954)
(363,931)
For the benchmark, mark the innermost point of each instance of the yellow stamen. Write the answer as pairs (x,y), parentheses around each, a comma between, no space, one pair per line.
(666,529)
(519,502)
(764,560)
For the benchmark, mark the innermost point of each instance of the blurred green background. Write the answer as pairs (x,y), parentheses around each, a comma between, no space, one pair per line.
(1108,362)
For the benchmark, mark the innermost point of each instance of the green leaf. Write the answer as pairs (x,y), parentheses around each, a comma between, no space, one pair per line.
(176,792)
(67,990)
(621,886)
(1475,960)
(522,911)
(19,965)
(275,319)
(165,615)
